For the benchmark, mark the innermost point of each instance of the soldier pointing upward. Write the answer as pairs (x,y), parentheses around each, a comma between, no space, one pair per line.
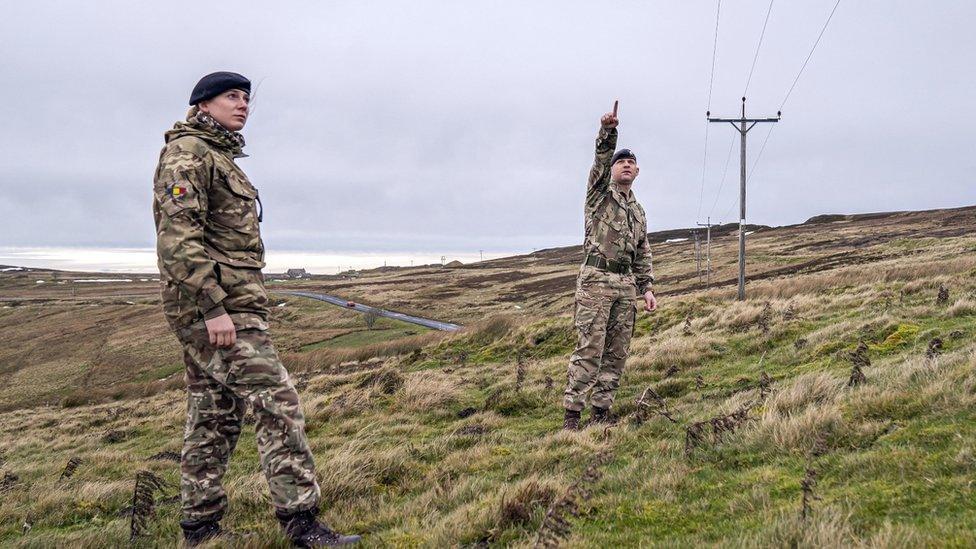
(616,269)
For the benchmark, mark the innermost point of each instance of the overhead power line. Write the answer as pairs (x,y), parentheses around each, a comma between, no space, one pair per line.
(728,159)
(752,170)
(809,55)
(762,148)
(718,194)
(758,47)
(711,80)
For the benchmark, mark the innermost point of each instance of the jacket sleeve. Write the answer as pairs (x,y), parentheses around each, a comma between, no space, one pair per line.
(180,191)
(606,143)
(643,269)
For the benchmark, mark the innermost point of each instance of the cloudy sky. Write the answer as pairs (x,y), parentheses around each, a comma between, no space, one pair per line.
(459,126)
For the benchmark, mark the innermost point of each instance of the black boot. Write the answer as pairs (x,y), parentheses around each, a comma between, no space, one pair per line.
(601,415)
(304,530)
(571,420)
(195,533)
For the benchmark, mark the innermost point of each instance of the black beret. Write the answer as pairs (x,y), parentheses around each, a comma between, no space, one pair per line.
(216,83)
(622,153)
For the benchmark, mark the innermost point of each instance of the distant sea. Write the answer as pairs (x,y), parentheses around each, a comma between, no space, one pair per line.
(143,260)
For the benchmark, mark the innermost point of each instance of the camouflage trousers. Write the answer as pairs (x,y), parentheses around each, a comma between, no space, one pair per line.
(604,319)
(221,383)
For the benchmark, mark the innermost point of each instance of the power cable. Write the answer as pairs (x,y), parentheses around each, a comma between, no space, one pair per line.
(728,159)
(809,55)
(752,169)
(762,148)
(752,69)
(711,80)
(758,47)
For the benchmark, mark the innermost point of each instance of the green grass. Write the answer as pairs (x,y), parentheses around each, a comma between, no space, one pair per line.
(895,456)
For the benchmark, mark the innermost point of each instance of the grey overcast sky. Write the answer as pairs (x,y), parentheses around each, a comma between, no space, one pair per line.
(436,126)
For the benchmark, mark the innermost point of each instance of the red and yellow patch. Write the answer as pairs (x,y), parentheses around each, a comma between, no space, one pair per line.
(178,191)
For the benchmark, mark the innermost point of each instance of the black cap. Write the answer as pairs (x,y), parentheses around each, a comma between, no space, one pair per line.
(216,83)
(622,153)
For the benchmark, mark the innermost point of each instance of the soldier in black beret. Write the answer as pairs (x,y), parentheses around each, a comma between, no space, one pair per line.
(210,256)
(616,274)
(216,83)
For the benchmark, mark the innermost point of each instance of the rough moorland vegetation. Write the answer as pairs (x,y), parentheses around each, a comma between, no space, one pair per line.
(832,408)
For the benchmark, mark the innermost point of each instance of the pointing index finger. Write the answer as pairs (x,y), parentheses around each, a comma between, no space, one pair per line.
(615,102)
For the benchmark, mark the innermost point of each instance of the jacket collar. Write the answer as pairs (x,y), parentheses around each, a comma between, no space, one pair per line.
(203,126)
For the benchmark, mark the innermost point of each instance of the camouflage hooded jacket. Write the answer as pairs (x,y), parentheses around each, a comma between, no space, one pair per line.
(616,226)
(208,240)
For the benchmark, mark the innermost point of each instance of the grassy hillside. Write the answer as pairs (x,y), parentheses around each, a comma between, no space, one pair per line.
(748,410)
(94,348)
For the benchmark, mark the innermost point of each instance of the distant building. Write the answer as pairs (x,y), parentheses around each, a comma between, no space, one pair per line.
(297,273)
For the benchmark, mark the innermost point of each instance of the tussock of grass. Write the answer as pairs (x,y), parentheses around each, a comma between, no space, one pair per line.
(681,351)
(962,307)
(356,471)
(805,390)
(797,432)
(829,528)
(384,381)
(424,394)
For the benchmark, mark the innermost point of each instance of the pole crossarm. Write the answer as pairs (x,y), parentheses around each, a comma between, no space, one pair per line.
(739,120)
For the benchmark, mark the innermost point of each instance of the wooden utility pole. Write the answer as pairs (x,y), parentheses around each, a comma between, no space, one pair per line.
(744,125)
(708,249)
(697,254)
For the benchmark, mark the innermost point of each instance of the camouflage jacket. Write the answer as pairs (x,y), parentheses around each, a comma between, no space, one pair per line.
(616,226)
(208,240)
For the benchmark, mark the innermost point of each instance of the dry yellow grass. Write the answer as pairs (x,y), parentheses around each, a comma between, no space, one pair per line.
(424,392)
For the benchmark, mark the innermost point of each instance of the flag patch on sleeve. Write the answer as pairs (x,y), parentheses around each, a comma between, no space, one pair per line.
(177,191)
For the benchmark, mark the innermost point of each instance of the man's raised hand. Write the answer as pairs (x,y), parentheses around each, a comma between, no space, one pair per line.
(609,120)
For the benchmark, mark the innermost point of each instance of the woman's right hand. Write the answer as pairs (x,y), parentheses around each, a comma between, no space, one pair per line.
(222,332)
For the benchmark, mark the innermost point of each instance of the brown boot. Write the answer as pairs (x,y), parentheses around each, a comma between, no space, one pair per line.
(571,421)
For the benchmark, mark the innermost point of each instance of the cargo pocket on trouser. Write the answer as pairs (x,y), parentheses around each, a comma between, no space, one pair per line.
(620,330)
(587,311)
(633,323)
